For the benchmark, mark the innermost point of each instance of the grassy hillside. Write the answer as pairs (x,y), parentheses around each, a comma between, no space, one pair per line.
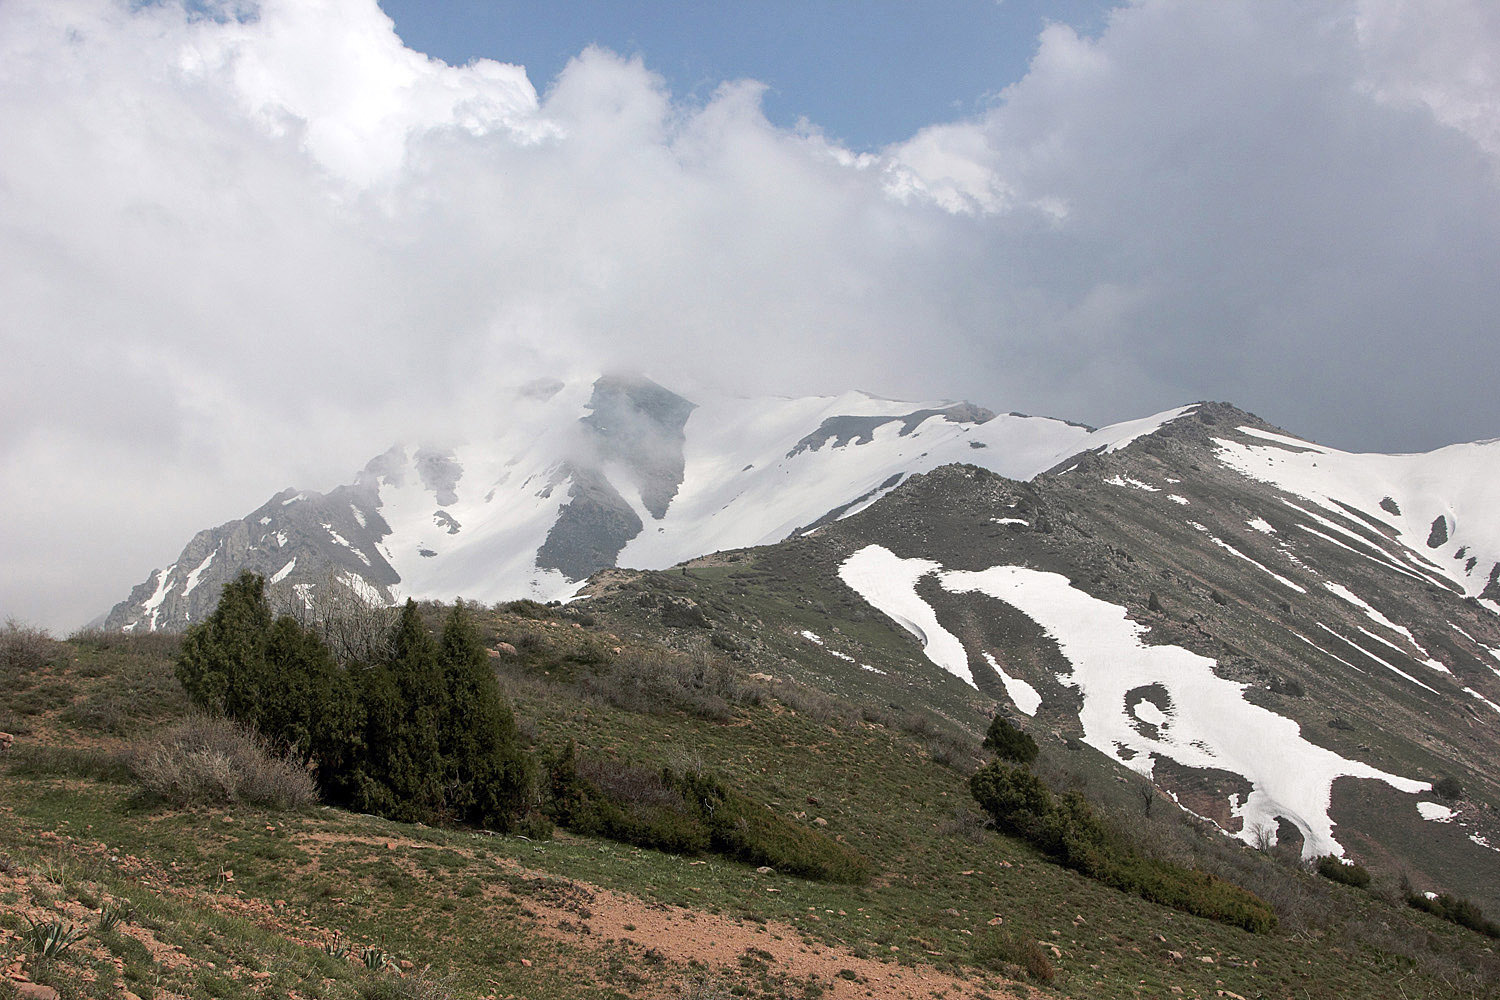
(231,899)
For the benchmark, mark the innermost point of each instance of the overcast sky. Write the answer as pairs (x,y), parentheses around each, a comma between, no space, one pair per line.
(250,245)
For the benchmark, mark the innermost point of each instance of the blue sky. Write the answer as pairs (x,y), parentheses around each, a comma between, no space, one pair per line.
(868,73)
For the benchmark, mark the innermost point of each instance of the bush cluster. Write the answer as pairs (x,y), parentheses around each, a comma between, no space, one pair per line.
(1067,829)
(1457,910)
(689,812)
(1345,872)
(418,732)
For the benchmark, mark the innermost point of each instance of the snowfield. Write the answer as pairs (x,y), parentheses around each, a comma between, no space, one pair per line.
(751,477)
(1204,721)
(1453,486)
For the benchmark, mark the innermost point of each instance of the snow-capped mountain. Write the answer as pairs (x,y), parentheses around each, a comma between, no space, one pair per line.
(1290,642)
(582,476)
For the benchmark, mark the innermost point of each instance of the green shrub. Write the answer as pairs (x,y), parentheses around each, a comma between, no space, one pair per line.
(1448,787)
(1457,910)
(653,815)
(691,813)
(745,830)
(681,614)
(1068,829)
(1009,743)
(1016,799)
(1346,872)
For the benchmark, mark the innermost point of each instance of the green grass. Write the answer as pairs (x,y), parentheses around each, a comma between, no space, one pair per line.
(207,882)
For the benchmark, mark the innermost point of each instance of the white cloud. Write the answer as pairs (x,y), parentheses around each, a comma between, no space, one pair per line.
(245,252)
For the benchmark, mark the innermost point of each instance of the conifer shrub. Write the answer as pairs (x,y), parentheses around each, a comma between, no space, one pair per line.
(1456,910)
(1010,743)
(1350,873)
(1448,787)
(1068,830)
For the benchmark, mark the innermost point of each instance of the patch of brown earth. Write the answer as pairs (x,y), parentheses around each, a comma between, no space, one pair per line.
(593,918)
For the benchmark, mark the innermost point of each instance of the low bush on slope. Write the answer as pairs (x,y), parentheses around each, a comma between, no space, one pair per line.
(1068,830)
(1457,910)
(689,812)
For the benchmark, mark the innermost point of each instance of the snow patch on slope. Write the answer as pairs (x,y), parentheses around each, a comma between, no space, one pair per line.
(889,584)
(1455,484)
(1211,724)
(1236,552)
(196,575)
(1022,694)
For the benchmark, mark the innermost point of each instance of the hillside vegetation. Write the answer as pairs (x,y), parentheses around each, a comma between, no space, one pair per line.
(721,830)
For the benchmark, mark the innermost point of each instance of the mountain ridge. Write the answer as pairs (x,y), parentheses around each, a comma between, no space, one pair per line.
(631,474)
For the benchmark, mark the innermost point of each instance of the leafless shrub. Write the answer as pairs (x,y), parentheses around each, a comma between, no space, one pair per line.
(210,760)
(160,644)
(630,784)
(815,704)
(706,988)
(415,985)
(917,723)
(23,648)
(659,680)
(354,626)
(964,824)
(953,751)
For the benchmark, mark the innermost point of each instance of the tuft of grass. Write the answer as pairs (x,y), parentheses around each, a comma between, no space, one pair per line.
(113,915)
(1005,951)
(73,762)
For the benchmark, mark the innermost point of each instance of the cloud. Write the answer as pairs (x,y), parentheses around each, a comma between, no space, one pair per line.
(251,249)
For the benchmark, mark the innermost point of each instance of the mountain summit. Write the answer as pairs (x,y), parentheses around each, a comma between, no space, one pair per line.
(582,477)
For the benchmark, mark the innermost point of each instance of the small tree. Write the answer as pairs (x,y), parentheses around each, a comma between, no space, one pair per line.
(222,665)
(1009,743)
(1016,799)
(403,748)
(486,774)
